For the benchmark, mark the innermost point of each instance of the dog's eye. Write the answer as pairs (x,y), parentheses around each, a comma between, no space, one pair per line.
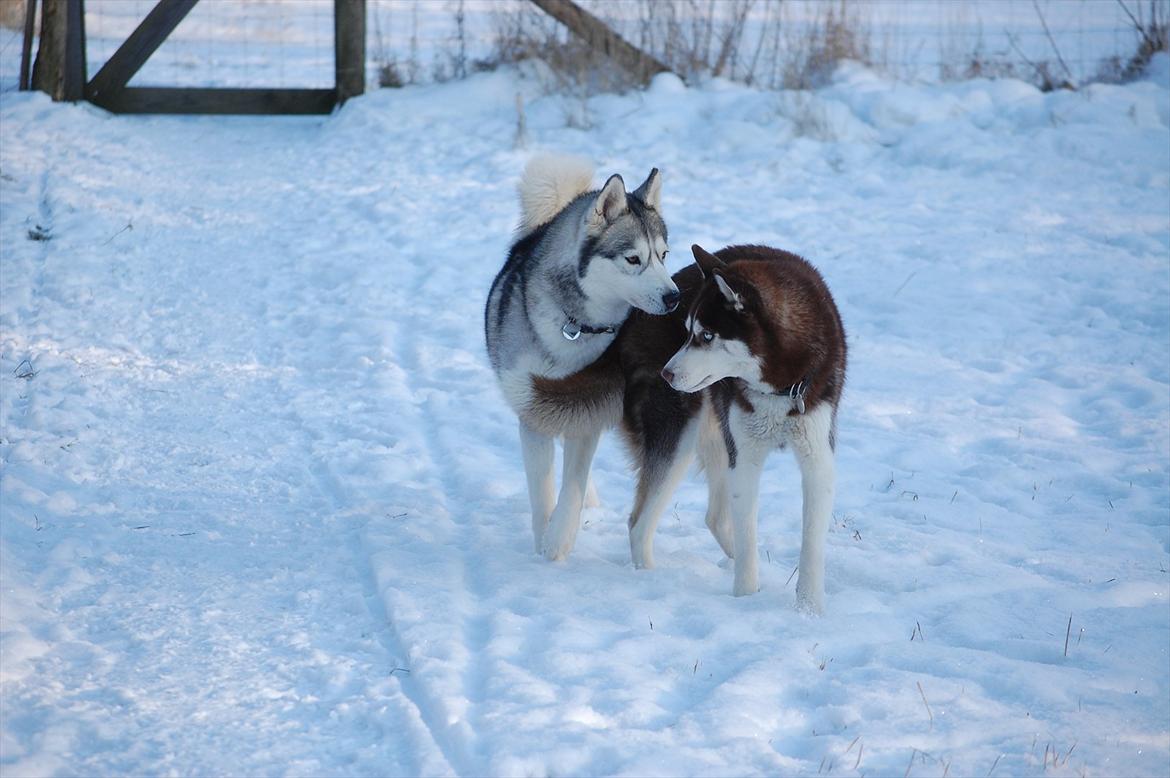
(707,336)
(634,260)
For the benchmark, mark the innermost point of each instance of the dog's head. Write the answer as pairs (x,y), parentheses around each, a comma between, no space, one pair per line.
(625,247)
(723,330)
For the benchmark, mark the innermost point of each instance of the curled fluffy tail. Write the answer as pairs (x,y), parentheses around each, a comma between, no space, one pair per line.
(550,182)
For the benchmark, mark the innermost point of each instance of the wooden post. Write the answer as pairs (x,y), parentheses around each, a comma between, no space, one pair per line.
(30,16)
(597,35)
(60,66)
(349,47)
(133,53)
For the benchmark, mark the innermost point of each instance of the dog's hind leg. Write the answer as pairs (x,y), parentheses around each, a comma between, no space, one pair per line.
(713,457)
(539,454)
(561,532)
(814,452)
(668,451)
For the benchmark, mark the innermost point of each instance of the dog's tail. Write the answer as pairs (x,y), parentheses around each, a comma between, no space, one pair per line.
(550,182)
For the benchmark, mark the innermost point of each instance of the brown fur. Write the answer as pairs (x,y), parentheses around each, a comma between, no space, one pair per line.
(587,400)
(789,319)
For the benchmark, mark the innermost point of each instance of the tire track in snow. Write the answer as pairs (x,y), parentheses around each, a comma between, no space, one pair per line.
(458,744)
(332,489)
(455,743)
(338,497)
(42,232)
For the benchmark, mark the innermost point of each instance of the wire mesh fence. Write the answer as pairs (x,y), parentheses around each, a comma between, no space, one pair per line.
(283,43)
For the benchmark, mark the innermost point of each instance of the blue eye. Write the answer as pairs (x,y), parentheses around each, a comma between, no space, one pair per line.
(707,336)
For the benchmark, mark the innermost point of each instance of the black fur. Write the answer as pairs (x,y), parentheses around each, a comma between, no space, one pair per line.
(512,273)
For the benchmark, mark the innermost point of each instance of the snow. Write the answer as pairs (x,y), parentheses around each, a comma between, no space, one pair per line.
(264,512)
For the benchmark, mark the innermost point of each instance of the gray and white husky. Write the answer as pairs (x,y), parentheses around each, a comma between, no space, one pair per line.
(582,260)
(754,360)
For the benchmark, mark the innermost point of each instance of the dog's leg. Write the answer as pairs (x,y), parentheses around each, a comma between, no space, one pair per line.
(539,454)
(713,456)
(718,510)
(562,527)
(591,498)
(817,477)
(666,458)
(743,483)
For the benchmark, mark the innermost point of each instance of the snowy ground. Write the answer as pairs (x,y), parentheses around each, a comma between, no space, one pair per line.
(263,508)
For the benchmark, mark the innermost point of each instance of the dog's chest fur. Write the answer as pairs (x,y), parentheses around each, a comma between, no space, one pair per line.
(571,405)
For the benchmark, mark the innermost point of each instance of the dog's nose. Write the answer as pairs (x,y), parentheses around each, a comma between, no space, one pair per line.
(668,375)
(670,300)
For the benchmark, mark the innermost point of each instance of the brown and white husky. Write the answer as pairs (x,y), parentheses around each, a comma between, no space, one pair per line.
(753,360)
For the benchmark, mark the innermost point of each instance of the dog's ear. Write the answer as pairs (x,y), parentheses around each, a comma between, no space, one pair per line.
(728,293)
(610,204)
(650,192)
(708,263)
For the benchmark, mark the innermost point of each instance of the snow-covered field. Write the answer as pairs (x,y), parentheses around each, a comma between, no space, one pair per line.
(263,510)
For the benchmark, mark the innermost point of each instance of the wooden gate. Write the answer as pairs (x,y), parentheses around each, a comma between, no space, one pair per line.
(60,66)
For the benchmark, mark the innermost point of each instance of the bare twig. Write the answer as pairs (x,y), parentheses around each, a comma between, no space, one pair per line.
(129,226)
(903,286)
(927,704)
(1055,50)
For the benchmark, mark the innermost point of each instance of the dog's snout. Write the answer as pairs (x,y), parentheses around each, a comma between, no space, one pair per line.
(670,300)
(668,375)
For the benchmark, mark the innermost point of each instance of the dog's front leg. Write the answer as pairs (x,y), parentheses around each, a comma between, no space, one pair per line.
(592,500)
(562,527)
(539,454)
(743,485)
(817,480)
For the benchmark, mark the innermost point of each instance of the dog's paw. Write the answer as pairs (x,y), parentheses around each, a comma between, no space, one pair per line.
(643,562)
(811,603)
(556,551)
(744,588)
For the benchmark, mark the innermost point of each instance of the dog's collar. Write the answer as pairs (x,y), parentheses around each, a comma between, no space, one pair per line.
(573,329)
(796,393)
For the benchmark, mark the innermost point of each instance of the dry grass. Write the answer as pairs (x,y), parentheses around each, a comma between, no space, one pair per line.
(835,35)
(751,41)
(12,14)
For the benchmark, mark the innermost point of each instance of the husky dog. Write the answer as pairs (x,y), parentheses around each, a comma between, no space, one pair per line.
(758,363)
(581,261)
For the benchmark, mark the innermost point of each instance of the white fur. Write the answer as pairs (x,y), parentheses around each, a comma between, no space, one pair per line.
(713,457)
(610,204)
(697,367)
(634,285)
(817,483)
(733,492)
(756,434)
(561,533)
(539,454)
(728,293)
(651,191)
(550,182)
